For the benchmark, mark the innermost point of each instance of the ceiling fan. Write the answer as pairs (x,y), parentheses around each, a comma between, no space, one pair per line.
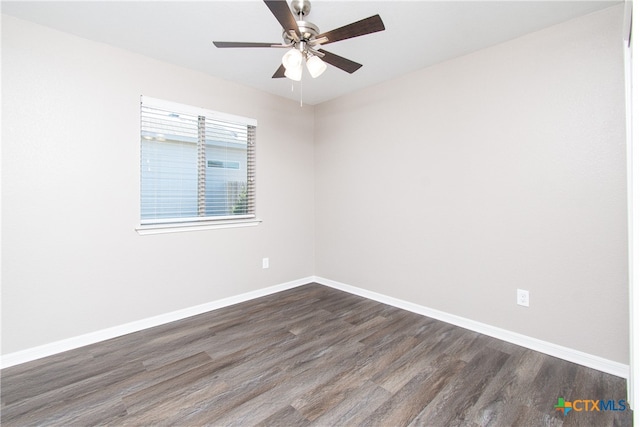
(304,40)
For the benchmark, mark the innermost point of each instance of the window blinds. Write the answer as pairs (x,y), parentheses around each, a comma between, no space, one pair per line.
(196,165)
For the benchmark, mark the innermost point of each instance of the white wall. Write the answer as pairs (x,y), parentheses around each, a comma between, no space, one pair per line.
(503,169)
(71,260)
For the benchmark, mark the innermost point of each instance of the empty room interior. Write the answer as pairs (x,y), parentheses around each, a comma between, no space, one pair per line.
(433,231)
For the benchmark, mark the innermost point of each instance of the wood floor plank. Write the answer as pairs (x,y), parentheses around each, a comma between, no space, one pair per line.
(308,356)
(63,399)
(464,390)
(355,407)
(413,397)
(237,396)
(170,388)
(173,411)
(326,396)
(288,416)
(406,367)
(502,401)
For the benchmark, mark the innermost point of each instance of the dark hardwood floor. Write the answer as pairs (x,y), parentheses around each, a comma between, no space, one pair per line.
(307,356)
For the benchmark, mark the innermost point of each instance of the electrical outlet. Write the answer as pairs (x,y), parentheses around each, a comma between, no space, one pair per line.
(522,297)
(265,262)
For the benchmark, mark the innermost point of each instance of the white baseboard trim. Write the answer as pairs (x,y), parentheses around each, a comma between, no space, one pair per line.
(23,356)
(565,353)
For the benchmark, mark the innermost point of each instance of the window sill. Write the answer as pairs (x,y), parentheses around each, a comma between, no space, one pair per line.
(144,230)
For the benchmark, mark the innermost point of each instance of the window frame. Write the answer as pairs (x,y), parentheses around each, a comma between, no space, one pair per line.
(171,225)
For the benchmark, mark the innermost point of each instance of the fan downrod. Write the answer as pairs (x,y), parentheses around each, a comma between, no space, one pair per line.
(308,31)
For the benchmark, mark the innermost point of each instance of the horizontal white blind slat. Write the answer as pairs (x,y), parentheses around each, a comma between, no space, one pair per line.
(162,104)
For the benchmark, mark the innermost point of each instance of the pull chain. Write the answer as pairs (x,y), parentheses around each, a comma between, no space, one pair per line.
(300,15)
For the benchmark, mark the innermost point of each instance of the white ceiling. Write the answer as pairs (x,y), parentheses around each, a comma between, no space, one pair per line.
(418,34)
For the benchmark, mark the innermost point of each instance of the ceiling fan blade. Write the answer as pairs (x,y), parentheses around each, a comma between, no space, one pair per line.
(369,25)
(280,9)
(338,61)
(279,73)
(243,44)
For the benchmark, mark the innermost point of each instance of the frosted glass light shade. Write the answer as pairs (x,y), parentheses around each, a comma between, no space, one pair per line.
(292,59)
(294,73)
(316,66)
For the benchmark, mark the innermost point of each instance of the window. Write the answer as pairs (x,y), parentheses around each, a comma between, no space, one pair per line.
(197,166)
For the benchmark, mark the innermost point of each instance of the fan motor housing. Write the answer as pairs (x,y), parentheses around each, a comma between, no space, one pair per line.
(308,31)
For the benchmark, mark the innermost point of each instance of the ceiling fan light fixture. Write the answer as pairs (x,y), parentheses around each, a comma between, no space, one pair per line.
(316,66)
(304,40)
(292,59)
